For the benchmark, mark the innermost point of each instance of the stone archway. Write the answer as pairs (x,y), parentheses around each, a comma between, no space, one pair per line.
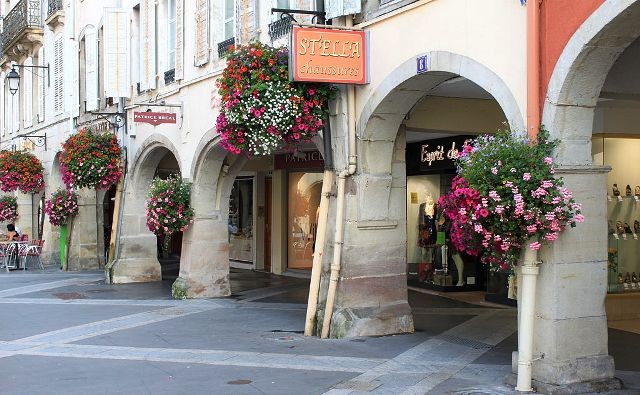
(51,234)
(204,267)
(137,259)
(374,253)
(573,337)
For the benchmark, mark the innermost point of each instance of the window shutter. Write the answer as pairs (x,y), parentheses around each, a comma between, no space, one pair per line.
(91,69)
(41,83)
(3,115)
(74,79)
(335,8)
(116,52)
(27,94)
(15,110)
(179,69)
(202,33)
(58,75)
(147,44)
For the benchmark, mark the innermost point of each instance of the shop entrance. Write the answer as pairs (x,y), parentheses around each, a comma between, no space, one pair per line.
(436,129)
(169,246)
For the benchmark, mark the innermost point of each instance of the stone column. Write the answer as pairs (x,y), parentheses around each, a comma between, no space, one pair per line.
(372,288)
(28,214)
(570,329)
(204,264)
(83,234)
(137,259)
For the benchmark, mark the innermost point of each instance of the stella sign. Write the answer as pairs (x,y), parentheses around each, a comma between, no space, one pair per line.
(329,55)
(154,118)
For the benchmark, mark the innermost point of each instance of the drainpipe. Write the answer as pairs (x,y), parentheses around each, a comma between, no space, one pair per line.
(533,67)
(339,235)
(323,214)
(529,269)
(527,303)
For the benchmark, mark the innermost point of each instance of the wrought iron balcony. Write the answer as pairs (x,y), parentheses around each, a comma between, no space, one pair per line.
(225,46)
(281,27)
(169,76)
(54,6)
(23,25)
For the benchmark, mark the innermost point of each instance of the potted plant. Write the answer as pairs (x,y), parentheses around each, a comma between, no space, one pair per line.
(506,194)
(261,110)
(20,170)
(168,207)
(90,160)
(61,207)
(8,209)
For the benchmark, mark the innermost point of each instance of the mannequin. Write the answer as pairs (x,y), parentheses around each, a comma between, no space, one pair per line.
(427,222)
(426,236)
(457,259)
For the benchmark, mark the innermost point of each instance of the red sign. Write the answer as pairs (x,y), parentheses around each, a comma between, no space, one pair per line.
(300,160)
(329,55)
(154,118)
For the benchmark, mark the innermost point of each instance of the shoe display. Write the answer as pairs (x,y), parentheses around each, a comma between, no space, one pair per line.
(619,227)
(627,278)
(637,190)
(612,229)
(616,191)
(636,226)
(627,228)
(634,277)
(628,190)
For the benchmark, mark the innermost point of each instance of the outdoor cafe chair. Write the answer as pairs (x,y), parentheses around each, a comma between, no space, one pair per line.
(8,255)
(32,250)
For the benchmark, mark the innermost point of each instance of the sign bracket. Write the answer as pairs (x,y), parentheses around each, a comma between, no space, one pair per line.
(119,118)
(318,15)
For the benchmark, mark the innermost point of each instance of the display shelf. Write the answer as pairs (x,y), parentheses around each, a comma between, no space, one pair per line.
(624,245)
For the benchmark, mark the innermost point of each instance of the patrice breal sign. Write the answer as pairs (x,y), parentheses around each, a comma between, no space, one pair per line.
(329,55)
(154,118)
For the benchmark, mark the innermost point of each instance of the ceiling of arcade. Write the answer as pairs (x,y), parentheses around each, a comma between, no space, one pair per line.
(457,106)
(618,110)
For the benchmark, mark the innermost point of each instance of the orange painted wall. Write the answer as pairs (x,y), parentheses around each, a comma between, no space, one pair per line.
(559,19)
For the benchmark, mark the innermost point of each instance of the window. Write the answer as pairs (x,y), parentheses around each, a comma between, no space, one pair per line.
(229,19)
(171,41)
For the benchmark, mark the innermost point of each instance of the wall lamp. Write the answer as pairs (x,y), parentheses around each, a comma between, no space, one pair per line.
(13,78)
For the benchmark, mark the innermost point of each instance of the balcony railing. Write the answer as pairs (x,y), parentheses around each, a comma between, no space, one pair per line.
(169,76)
(54,6)
(26,14)
(281,27)
(225,46)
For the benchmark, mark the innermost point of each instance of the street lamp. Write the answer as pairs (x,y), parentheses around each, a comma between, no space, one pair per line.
(14,81)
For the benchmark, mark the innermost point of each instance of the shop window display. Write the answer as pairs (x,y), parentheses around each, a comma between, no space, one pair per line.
(241,220)
(623,212)
(304,200)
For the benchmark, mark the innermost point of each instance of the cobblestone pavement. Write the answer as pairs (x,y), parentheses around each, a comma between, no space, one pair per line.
(69,333)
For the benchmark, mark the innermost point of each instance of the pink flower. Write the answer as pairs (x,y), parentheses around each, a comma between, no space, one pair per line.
(548,160)
(535,245)
(526,176)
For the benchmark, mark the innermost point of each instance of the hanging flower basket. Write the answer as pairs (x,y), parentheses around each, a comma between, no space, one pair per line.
(8,209)
(62,206)
(21,171)
(261,110)
(505,194)
(91,160)
(167,208)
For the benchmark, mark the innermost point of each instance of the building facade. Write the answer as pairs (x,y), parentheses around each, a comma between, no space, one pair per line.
(440,70)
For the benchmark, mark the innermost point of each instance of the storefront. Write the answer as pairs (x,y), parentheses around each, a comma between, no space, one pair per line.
(273,210)
(304,186)
(623,223)
(432,262)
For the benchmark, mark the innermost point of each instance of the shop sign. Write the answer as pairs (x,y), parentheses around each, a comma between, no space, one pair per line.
(329,55)
(432,156)
(299,160)
(154,118)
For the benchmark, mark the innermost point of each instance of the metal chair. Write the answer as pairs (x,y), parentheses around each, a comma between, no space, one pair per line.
(33,250)
(8,254)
